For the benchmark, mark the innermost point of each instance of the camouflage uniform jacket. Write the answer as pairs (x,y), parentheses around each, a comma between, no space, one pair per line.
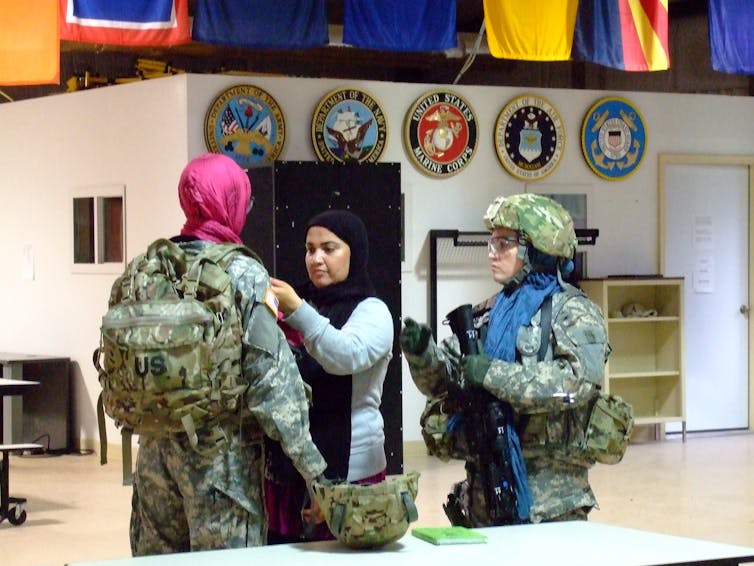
(551,398)
(222,495)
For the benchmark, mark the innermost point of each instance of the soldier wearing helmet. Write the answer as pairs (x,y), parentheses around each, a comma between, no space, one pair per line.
(543,347)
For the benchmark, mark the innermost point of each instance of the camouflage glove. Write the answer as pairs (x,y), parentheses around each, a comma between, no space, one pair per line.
(475,367)
(415,337)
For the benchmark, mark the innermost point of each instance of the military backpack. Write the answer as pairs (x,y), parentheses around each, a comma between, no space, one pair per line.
(169,359)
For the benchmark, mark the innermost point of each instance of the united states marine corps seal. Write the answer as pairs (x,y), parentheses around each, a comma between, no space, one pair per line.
(529,137)
(349,126)
(440,133)
(613,138)
(246,124)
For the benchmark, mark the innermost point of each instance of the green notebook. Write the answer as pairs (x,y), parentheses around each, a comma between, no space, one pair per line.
(448,535)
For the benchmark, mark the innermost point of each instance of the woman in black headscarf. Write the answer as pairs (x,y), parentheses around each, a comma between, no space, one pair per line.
(346,334)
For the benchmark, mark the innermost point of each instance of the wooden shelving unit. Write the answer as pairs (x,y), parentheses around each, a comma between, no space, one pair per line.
(646,363)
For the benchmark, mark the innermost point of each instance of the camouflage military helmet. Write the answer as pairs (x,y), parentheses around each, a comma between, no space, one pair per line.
(541,220)
(369,516)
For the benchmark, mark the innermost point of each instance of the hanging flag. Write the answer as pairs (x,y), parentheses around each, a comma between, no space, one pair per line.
(530,30)
(631,35)
(398,25)
(131,22)
(289,24)
(29,43)
(731,41)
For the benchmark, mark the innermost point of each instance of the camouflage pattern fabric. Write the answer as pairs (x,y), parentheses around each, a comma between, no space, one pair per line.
(552,398)
(171,341)
(543,221)
(221,503)
(369,516)
(436,429)
(609,430)
(222,493)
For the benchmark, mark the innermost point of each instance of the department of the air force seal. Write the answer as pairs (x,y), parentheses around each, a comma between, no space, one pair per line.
(440,133)
(613,138)
(246,124)
(529,137)
(349,126)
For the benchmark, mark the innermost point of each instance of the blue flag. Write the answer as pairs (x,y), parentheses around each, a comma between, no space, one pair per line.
(730,37)
(280,24)
(136,22)
(400,25)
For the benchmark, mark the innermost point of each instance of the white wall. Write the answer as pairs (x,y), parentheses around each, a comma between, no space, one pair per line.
(141,135)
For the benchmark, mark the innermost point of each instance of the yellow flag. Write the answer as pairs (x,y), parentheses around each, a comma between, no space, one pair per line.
(530,30)
(29,42)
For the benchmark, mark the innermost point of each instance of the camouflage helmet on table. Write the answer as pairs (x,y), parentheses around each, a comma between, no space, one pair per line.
(369,516)
(539,219)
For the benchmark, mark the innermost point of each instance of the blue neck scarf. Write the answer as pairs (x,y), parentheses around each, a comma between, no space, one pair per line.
(514,310)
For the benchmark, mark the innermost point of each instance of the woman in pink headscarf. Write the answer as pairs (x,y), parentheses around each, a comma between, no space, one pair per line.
(184,501)
(215,194)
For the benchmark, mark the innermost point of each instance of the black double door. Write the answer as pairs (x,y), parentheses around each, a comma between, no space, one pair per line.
(287,194)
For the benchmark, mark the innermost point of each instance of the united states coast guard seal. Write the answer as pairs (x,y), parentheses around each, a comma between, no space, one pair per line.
(529,137)
(349,126)
(440,133)
(246,124)
(613,138)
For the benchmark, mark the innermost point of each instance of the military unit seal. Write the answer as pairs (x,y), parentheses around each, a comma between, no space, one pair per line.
(246,124)
(613,138)
(349,126)
(529,137)
(440,133)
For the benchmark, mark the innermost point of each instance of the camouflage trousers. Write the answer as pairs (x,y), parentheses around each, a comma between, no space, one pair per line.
(183,501)
(560,492)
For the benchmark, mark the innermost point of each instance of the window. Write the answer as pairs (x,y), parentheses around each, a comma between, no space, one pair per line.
(98,229)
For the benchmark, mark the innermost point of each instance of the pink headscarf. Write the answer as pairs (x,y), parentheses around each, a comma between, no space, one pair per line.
(214,193)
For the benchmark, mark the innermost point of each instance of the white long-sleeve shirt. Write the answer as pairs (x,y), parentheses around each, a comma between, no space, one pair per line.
(362,348)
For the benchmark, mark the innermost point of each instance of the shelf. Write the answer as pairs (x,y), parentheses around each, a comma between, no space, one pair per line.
(646,363)
(655,419)
(644,374)
(642,319)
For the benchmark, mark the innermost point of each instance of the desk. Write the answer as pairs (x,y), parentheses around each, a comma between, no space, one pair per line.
(43,412)
(577,543)
(15,514)
(9,387)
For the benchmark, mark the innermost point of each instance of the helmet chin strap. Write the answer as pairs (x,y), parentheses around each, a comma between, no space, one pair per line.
(523,255)
(560,277)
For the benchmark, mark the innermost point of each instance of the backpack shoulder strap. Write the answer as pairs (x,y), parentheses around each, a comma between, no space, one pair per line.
(223,254)
(548,313)
(545,323)
(220,255)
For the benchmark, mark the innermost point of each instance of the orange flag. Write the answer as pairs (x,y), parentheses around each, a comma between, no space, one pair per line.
(29,42)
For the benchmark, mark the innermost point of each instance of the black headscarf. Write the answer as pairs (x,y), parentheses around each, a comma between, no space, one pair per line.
(337,301)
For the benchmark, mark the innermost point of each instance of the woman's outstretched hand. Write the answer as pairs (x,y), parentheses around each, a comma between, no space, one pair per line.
(288,299)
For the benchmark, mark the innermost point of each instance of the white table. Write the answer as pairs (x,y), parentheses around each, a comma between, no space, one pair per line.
(577,543)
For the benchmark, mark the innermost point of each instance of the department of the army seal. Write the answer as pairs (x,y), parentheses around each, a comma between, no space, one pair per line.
(245,123)
(349,126)
(440,133)
(529,137)
(613,138)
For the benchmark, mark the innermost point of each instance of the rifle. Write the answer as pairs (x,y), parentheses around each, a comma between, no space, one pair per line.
(487,423)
